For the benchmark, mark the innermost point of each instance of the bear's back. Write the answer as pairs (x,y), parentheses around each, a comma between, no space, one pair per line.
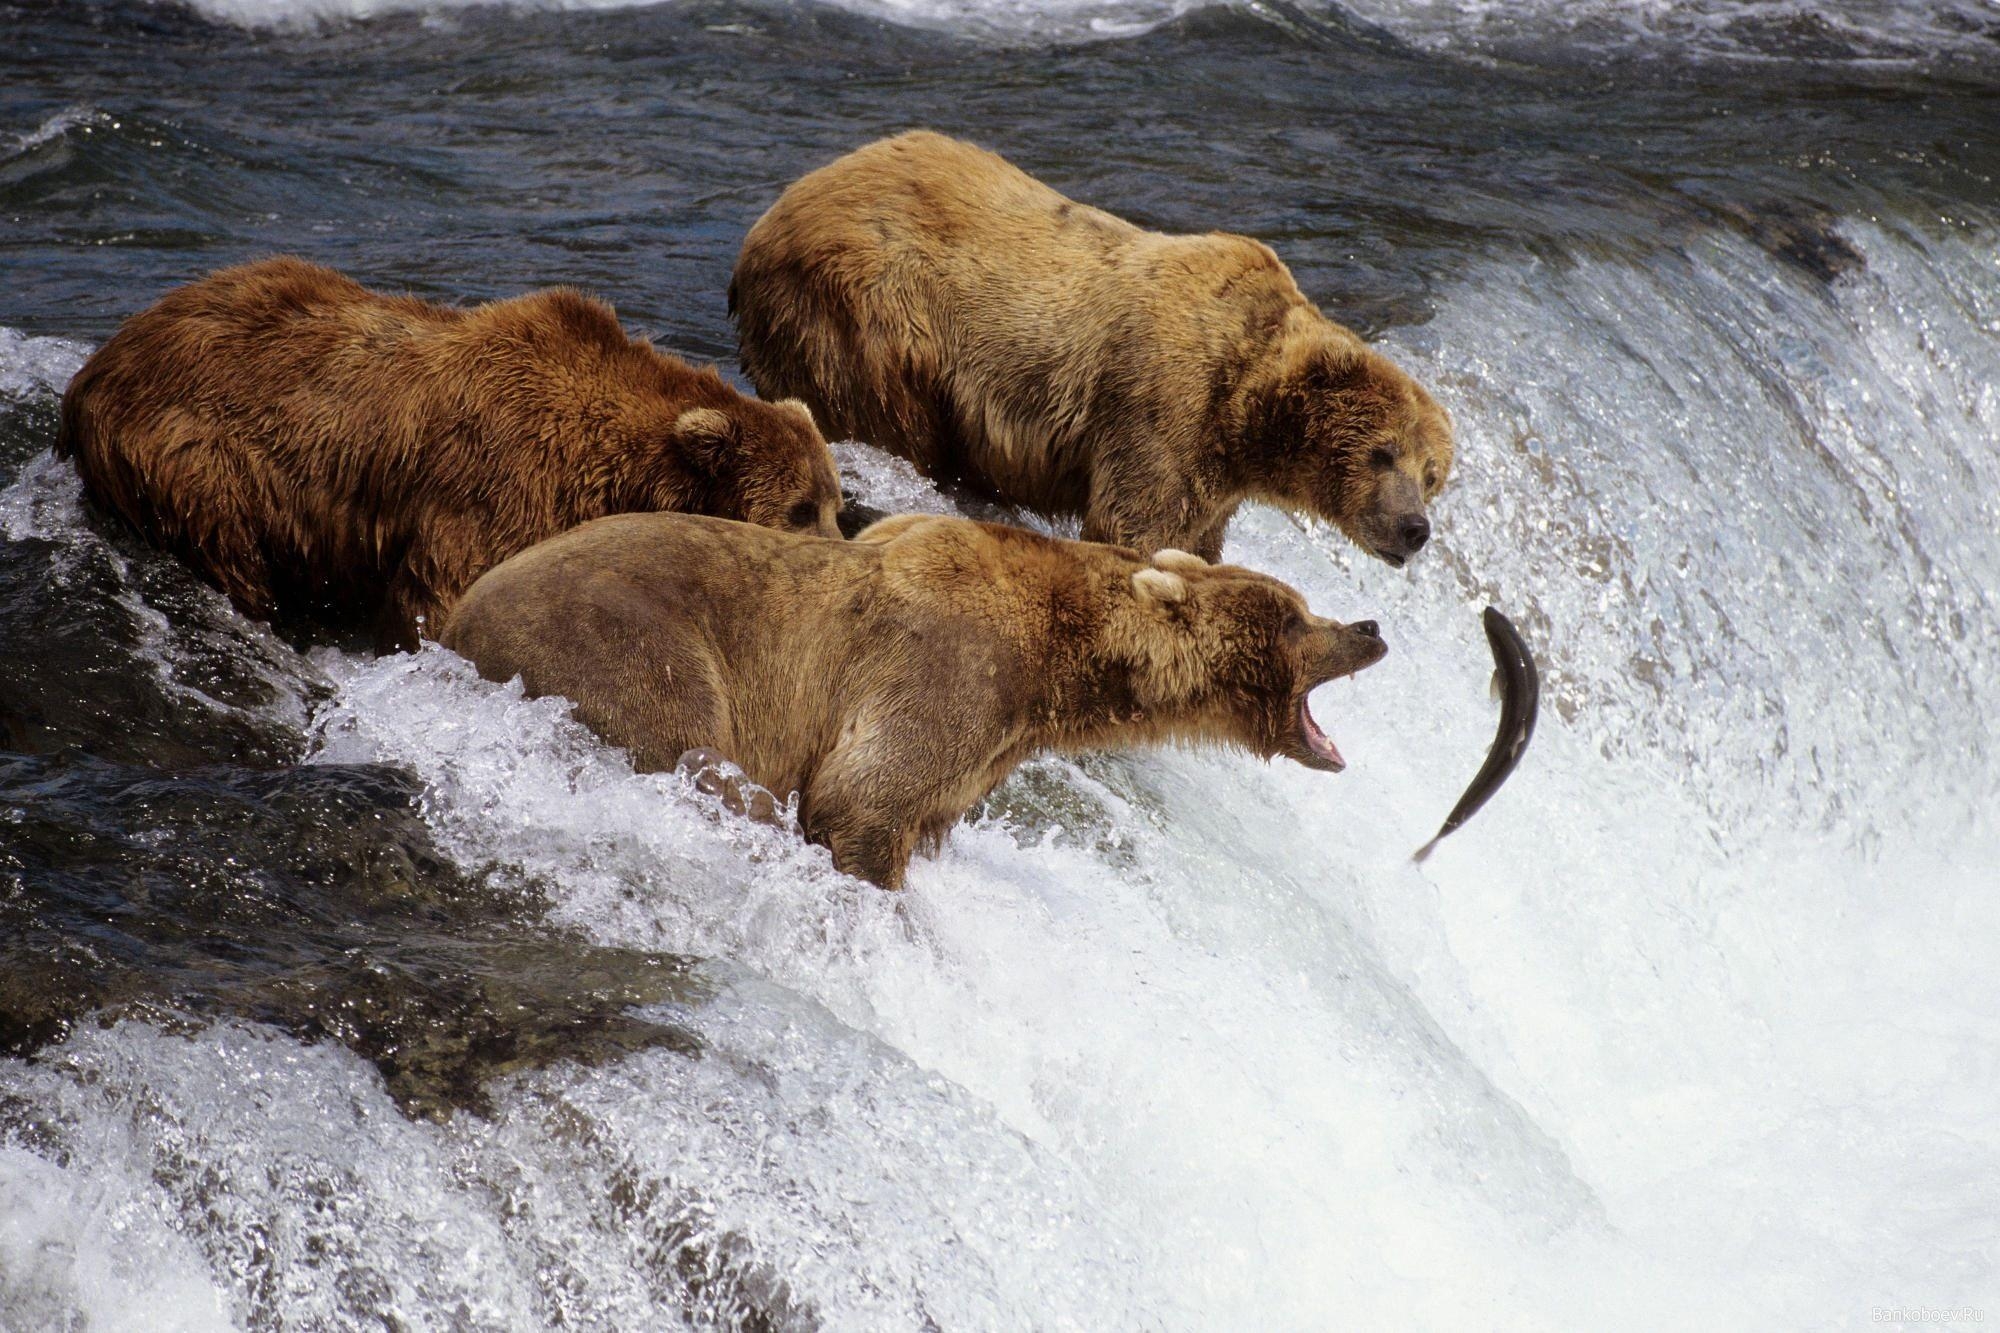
(257,324)
(688,568)
(244,343)
(559,350)
(285,304)
(633,613)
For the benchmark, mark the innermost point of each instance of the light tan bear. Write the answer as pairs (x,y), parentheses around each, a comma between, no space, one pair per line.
(926,296)
(317,449)
(894,680)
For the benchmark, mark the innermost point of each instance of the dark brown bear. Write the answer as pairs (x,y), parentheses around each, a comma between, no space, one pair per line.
(925,296)
(318,449)
(894,680)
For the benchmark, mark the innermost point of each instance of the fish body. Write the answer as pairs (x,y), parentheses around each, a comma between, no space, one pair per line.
(1519,687)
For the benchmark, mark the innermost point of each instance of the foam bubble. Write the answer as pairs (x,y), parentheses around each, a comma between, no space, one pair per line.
(886,482)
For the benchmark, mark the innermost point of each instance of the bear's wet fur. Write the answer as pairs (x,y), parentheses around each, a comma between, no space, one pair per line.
(894,680)
(926,296)
(322,451)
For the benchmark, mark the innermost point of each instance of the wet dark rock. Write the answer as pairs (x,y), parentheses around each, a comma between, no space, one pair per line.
(1041,801)
(1802,236)
(310,899)
(113,648)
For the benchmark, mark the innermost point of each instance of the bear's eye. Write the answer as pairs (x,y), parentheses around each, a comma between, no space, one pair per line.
(1383,457)
(805,514)
(1430,480)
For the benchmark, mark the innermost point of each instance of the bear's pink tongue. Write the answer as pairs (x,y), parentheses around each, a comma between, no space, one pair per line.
(1318,741)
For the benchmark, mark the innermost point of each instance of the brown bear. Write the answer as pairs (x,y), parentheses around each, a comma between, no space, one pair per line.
(318,449)
(928,297)
(894,680)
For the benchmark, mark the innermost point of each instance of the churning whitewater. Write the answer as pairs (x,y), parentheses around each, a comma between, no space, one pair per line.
(1694,1025)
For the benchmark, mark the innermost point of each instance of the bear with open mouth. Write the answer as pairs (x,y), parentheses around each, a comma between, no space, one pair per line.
(895,680)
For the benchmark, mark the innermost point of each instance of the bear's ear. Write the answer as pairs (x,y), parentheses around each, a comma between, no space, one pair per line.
(1157,585)
(1335,368)
(1177,561)
(705,431)
(794,405)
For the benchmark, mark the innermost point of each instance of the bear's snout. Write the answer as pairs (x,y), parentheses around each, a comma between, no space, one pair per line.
(1359,647)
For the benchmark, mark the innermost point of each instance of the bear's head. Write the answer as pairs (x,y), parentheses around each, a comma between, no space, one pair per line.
(1226,654)
(1339,430)
(765,463)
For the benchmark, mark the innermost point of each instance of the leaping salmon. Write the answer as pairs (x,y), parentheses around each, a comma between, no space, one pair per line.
(1520,689)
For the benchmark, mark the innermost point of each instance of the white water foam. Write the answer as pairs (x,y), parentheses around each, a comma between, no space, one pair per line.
(1691,1027)
(888,483)
(1877,30)
(298,15)
(31,366)
(1007,20)
(81,1247)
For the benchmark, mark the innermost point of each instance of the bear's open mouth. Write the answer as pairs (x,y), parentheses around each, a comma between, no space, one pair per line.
(1317,742)
(1393,560)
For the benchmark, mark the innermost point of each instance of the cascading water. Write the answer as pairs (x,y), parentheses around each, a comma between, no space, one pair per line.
(1694,1025)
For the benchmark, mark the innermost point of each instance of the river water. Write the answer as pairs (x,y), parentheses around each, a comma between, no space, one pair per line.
(340,992)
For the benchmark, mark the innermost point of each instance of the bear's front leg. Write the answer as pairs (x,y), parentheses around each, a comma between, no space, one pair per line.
(912,759)
(410,612)
(855,819)
(1208,543)
(875,852)
(869,800)
(1136,508)
(446,555)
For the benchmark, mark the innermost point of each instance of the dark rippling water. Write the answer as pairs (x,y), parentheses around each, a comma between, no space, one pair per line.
(344,993)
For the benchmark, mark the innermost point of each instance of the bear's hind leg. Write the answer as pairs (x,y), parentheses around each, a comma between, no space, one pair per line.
(904,772)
